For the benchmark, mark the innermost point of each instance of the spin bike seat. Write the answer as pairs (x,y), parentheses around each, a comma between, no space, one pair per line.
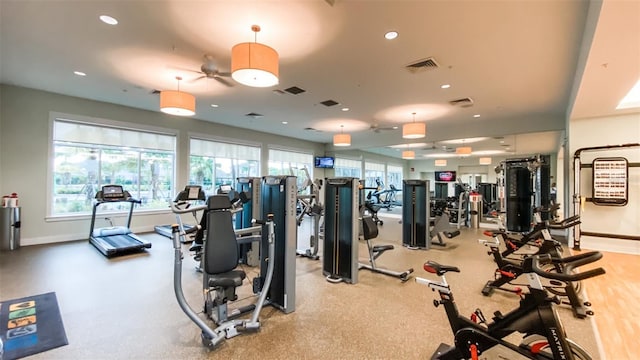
(435,268)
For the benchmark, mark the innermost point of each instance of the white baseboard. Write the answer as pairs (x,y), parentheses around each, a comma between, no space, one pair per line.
(612,245)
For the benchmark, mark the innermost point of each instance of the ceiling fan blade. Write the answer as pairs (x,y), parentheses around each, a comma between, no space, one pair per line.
(198,78)
(223,81)
(185,69)
(225,74)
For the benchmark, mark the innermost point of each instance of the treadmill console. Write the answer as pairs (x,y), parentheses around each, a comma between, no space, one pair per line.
(191,193)
(112,193)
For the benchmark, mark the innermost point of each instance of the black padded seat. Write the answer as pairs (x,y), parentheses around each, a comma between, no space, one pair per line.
(493,233)
(229,279)
(432,266)
(379,248)
(369,228)
(221,247)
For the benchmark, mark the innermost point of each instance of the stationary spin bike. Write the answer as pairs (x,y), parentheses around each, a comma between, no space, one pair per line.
(535,318)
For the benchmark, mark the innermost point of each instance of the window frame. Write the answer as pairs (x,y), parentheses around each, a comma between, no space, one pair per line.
(98,122)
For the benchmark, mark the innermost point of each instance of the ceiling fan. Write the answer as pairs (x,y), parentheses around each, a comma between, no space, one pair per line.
(439,148)
(209,70)
(376,128)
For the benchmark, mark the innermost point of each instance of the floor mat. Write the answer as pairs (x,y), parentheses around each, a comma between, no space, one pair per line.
(31,325)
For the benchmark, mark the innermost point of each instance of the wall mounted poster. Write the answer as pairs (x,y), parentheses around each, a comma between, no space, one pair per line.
(610,181)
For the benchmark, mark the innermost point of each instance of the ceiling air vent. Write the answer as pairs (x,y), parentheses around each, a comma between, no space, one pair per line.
(295,90)
(329,103)
(254,115)
(311,129)
(155,92)
(422,65)
(464,102)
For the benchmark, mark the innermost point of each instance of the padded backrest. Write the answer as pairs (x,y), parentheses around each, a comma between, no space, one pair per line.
(220,246)
(369,228)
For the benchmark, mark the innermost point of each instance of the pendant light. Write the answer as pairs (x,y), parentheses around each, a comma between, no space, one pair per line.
(177,103)
(408,154)
(254,64)
(414,130)
(485,161)
(463,150)
(341,139)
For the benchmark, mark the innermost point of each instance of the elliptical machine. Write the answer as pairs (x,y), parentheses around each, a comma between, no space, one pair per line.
(220,259)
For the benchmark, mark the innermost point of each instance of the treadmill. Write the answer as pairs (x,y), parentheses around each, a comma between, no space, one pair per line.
(115,240)
(191,193)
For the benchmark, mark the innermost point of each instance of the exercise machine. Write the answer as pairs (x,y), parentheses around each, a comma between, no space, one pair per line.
(510,269)
(311,206)
(440,228)
(340,250)
(527,186)
(385,198)
(370,232)
(462,192)
(535,317)
(190,195)
(115,240)
(220,277)
(279,197)
(251,209)
(342,223)
(415,214)
(366,206)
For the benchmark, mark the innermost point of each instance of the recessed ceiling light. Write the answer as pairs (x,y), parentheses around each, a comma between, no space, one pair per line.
(394,128)
(476,115)
(501,141)
(214,105)
(285,122)
(79,73)
(108,20)
(345,109)
(445,86)
(391,35)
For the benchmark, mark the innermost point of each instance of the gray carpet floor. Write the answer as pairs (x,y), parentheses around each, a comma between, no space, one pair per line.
(124,308)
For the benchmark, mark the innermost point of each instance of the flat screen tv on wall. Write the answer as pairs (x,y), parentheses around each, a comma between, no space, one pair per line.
(324,162)
(446,176)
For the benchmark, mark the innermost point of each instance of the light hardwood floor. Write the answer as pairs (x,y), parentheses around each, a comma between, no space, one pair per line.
(615,297)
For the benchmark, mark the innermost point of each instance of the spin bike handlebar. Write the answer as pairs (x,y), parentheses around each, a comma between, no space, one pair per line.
(569,263)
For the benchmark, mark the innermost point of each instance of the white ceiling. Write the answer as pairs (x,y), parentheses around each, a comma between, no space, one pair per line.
(525,64)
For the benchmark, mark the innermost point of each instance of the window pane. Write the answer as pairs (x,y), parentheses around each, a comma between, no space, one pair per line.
(87,157)
(348,168)
(217,163)
(156,172)
(75,179)
(292,163)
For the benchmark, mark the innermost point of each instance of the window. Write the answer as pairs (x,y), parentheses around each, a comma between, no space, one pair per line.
(394,176)
(348,168)
(215,163)
(298,164)
(374,175)
(88,156)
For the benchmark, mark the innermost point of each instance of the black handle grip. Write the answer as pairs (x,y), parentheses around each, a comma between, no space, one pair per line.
(262,222)
(192,229)
(570,263)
